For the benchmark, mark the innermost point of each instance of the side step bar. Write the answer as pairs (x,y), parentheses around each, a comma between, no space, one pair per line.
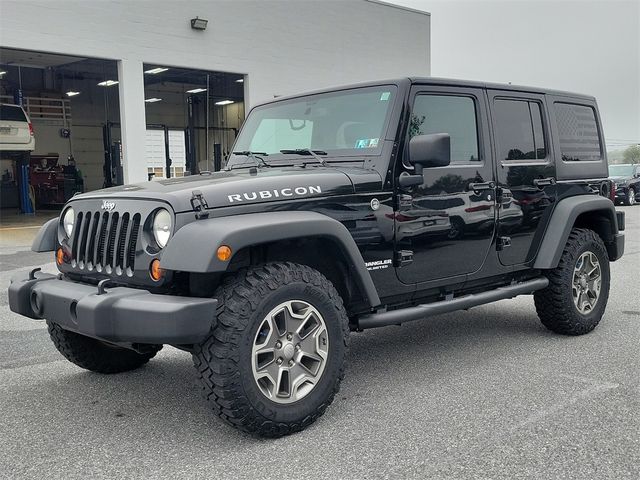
(396,317)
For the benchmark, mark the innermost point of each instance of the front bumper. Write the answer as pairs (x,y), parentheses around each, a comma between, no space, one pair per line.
(116,315)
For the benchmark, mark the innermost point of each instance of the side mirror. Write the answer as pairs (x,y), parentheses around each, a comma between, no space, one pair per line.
(432,150)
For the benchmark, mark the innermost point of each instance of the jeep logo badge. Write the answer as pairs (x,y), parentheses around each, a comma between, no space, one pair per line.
(107,205)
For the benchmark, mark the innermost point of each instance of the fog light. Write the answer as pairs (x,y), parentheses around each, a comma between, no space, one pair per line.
(155,271)
(59,256)
(224,253)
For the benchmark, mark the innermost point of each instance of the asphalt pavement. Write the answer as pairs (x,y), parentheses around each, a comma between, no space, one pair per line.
(484,393)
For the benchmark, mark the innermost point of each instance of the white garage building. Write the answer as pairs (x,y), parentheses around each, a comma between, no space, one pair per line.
(250,51)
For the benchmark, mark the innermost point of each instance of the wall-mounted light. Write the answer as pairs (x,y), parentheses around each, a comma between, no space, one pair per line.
(155,71)
(240,80)
(197,90)
(71,93)
(108,83)
(224,102)
(199,23)
(152,100)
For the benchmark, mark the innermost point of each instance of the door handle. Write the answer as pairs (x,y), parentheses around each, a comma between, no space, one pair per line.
(477,187)
(544,182)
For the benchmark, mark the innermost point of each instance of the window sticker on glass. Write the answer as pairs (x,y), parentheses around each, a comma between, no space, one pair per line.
(367,143)
(385,96)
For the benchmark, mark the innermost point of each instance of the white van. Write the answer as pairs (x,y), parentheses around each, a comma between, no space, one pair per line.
(16,131)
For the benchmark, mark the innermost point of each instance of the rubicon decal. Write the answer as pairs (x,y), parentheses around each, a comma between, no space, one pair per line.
(278,193)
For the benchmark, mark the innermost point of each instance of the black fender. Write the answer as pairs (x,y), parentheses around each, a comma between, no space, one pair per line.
(46,238)
(563,219)
(193,247)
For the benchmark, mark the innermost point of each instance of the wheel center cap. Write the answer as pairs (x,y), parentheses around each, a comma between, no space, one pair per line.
(288,351)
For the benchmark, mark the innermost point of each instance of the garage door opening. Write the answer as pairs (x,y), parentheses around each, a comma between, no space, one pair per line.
(68,101)
(193,117)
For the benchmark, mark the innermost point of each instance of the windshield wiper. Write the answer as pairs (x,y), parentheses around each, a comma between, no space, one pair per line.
(306,151)
(255,156)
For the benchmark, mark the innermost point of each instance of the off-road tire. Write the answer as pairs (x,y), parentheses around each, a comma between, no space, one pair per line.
(94,355)
(223,360)
(555,305)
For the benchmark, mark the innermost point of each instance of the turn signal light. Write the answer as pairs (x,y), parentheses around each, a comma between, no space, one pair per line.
(224,253)
(59,256)
(155,271)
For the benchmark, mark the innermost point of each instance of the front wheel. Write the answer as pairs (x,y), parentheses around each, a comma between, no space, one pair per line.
(275,359)
(97,356)
(575,299)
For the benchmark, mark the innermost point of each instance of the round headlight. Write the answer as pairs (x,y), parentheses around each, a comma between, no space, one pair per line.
(162,227)
(68,219)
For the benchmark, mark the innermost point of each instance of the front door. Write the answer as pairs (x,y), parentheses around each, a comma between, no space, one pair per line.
(444,227)
(526,172)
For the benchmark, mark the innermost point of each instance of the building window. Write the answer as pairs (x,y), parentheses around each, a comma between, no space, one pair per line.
(578,133)
(450,114)
(519,131)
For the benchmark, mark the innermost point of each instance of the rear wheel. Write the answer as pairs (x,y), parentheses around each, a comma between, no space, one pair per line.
(275,358)
(631,197)
(97,356)
(575,300)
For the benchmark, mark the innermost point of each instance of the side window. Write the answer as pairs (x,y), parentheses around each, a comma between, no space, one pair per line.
(578,133)
(450,114)
(519,131)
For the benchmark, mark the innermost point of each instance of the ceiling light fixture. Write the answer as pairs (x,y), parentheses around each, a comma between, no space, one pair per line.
(199,23)
(108,83)
(152,100)
(224,102)
(197,90)
(240,80)
(2,73)
(71,93)
(155,71)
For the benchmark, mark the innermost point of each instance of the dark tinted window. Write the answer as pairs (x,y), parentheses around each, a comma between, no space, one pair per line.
(578,133)
(12,114)
(519,130)
(448,114)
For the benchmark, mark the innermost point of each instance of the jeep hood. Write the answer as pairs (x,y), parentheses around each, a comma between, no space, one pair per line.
(247,186)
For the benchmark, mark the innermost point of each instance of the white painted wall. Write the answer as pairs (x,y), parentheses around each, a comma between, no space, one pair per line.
(283,46)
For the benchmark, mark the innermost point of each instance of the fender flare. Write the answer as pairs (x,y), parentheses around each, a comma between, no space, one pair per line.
(192,248)
(46,238)
(562,221)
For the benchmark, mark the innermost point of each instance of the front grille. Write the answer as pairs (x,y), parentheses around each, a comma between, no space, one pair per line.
(105,242)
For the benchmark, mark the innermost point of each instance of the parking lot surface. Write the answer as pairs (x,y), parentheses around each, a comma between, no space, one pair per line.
(484,393)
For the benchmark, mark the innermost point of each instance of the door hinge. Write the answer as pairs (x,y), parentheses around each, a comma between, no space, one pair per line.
(402,258)
(503,242)
(199,204)
(403,201)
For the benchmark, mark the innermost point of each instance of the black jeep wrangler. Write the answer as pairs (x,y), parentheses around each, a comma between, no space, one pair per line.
(340,210)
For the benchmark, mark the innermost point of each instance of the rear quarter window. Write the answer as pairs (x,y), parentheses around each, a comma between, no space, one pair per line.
(12,113)
(578,133)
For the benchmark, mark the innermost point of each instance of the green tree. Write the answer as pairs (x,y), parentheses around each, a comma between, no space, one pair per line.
(631,154)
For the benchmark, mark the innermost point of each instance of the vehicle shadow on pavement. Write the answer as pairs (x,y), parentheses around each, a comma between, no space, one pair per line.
(165,391)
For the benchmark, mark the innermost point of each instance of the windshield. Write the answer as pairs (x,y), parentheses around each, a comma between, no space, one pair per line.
(341,123)
(620,170)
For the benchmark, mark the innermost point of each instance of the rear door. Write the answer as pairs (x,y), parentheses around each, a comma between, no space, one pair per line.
(14,126)
(525,172)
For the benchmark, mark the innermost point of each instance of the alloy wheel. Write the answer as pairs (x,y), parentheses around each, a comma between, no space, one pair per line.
(587,279)
(290,351)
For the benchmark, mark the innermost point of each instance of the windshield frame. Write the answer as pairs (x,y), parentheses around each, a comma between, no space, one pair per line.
(351,154)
